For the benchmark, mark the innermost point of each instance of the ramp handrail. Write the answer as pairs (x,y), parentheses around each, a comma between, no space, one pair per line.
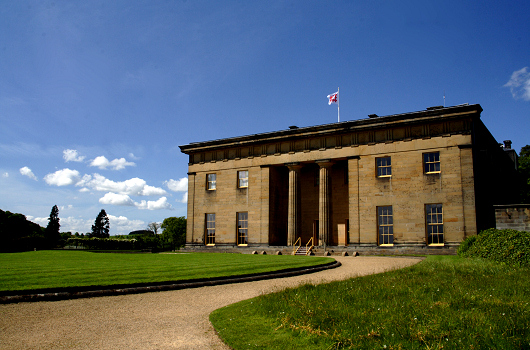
(299,242)
(308,250)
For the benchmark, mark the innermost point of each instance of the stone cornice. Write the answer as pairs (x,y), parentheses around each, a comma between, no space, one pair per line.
(436,121)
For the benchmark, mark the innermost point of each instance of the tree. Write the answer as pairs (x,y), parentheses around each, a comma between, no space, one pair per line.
(153,227)
(524,174)
(174,231)
(51,233)
(18,234)
(101,226)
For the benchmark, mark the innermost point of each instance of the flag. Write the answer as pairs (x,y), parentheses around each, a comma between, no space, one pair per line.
(333,98)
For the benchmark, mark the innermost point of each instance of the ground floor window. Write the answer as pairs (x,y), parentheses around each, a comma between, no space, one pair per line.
(242,228)
(210,229)
(385,225)
(434,224)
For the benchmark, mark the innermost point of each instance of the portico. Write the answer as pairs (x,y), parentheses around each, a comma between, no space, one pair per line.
(402,180)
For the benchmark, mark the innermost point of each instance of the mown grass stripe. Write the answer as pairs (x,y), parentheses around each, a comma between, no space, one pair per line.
(53,269)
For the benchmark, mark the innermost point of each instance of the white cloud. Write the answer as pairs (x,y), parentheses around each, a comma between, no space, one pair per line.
(118,224)
(179,185)
(185,198)
(27,172)
(131,187)
(161,203)
(117,164)
(71,155)
(73,224)
(519,84)
(63,177)
(123,225)
(39,221)
(5,174)
(116,199)
(152,191)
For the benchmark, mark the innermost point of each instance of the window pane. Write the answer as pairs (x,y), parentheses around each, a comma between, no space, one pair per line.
(431,162)
(384,166)
(211,181)
(242,228)
(434,220)
(242,178)
(386,228)
(210,228)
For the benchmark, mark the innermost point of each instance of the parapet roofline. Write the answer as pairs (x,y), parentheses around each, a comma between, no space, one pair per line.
(371,121)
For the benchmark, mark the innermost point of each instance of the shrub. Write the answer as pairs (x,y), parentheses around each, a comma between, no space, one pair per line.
(466,244)
(506,246)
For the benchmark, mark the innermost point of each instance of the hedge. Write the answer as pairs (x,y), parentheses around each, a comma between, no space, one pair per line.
(506,246)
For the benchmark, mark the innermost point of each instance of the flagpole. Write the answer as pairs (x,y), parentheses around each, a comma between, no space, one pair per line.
(338,105)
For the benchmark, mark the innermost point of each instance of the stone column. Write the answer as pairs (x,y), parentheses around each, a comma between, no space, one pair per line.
(190,223)
(324,223)
(293,209)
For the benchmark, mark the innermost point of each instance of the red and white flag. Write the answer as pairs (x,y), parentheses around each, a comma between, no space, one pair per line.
(333,98)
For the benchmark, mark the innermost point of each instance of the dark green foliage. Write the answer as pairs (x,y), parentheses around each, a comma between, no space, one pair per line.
(141,233)
(51,233)
(101,226)
(174,231)
(18,234)
(443,302)
(506,246)
(466,244)
(96,243)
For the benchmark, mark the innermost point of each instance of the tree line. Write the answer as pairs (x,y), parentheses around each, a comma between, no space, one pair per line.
(19,234)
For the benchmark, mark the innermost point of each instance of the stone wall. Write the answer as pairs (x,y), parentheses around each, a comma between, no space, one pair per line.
(515,217)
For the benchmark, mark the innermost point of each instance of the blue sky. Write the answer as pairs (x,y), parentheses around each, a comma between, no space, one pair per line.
(96,96)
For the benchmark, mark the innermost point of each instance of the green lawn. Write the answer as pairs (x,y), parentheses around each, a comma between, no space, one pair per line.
(55,269)
(442,302)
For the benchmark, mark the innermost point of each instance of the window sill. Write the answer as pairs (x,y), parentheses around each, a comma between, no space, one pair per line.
(210,245)
(242,245)
(433,172)
(384,176)
(436,245)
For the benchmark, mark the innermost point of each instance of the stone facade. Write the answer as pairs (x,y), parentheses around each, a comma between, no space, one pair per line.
(408,180)
(513,217)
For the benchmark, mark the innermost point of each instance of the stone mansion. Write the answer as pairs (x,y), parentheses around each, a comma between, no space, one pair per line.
(425,179)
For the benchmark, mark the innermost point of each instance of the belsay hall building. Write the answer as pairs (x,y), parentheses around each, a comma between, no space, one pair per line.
(419,180)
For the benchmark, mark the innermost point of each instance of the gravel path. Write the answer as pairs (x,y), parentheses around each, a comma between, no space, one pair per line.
(164,320)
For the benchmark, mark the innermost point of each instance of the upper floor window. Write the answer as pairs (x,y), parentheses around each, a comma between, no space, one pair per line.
(384,167)
(242,179)
(431,162)
(211,181)
(435,224)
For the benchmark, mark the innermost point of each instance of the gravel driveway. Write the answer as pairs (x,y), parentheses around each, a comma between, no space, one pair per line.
(163,320)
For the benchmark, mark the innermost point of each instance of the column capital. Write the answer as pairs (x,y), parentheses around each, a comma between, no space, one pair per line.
(324,163)
(293,165)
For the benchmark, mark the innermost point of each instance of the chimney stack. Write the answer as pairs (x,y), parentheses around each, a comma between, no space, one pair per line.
(507,144)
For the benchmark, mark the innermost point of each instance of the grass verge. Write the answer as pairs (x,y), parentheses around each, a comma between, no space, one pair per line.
(60,269)
(442,302)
